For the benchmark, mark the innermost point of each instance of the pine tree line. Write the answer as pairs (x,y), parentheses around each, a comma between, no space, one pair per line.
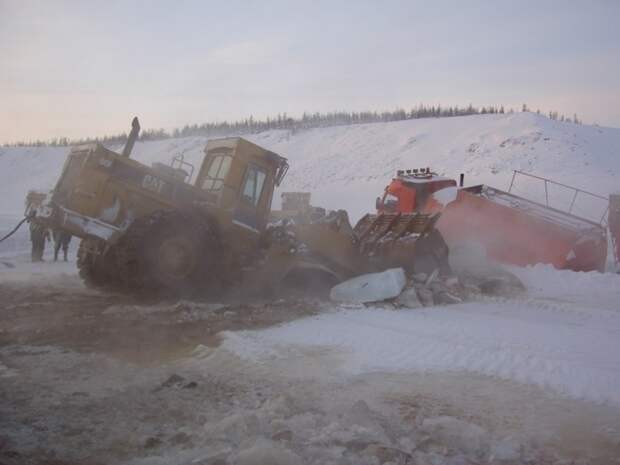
(285,122)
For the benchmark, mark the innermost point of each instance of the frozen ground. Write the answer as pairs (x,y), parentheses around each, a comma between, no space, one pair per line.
(551,341)
(92,378)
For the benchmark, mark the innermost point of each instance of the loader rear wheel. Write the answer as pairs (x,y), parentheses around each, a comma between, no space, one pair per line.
(96,265)
(169,252)
(174,257)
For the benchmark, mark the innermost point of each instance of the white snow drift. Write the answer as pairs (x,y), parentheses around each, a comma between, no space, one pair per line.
(544,340)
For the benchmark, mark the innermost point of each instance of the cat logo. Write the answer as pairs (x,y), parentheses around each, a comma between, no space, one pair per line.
(153,183)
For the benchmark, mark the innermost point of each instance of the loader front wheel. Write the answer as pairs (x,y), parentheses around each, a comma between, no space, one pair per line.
(169,252)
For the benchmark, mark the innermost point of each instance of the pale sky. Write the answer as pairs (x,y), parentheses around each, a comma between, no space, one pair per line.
(85,68)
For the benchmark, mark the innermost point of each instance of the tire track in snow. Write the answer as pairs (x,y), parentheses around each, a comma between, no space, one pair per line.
(517,341)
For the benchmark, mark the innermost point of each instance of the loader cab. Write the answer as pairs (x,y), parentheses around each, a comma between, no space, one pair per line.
(411,191)
(239,178)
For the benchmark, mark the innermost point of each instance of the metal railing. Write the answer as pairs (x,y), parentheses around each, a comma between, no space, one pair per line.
(178,162)
(576,192)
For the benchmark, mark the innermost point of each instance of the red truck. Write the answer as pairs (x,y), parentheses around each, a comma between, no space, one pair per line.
(512,229)
(614,226)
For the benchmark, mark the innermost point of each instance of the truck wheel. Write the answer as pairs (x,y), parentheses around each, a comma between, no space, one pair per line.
(168,251)
(96,268)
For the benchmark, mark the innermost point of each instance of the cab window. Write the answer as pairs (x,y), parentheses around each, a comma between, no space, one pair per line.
(218,170)
(253,185)
(390,202)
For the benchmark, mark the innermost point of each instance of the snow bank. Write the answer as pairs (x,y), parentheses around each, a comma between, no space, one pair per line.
(568,347)
(593,289)
(349,166)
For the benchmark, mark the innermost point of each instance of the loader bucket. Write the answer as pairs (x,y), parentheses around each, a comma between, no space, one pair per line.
(329,251)
(407,240)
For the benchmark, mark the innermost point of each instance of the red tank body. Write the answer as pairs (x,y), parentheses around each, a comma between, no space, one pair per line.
(512,229)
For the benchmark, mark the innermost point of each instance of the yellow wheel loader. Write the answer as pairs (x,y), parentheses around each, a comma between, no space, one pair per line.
(147,228)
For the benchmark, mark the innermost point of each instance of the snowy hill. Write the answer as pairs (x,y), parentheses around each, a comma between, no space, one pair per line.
(348,166)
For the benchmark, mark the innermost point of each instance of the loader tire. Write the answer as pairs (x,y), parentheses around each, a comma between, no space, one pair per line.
(168,252)
(96,269)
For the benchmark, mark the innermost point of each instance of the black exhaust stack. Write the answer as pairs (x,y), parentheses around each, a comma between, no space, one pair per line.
(131,139)
(462,179)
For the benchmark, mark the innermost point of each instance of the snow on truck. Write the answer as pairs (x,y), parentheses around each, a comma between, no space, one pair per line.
(511,228)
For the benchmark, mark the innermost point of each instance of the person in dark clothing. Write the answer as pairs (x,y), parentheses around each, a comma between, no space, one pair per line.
(38,234)
(61,240)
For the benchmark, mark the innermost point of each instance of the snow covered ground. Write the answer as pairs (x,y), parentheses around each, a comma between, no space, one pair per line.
(563,335)
(521,381)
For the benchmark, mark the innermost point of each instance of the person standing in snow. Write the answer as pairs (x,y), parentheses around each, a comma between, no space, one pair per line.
(38,235)
(61,240)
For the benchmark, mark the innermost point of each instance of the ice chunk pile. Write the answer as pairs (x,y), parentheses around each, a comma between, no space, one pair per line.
(372,287)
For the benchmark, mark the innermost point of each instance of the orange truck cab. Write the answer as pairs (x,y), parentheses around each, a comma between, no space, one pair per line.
(411,191)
